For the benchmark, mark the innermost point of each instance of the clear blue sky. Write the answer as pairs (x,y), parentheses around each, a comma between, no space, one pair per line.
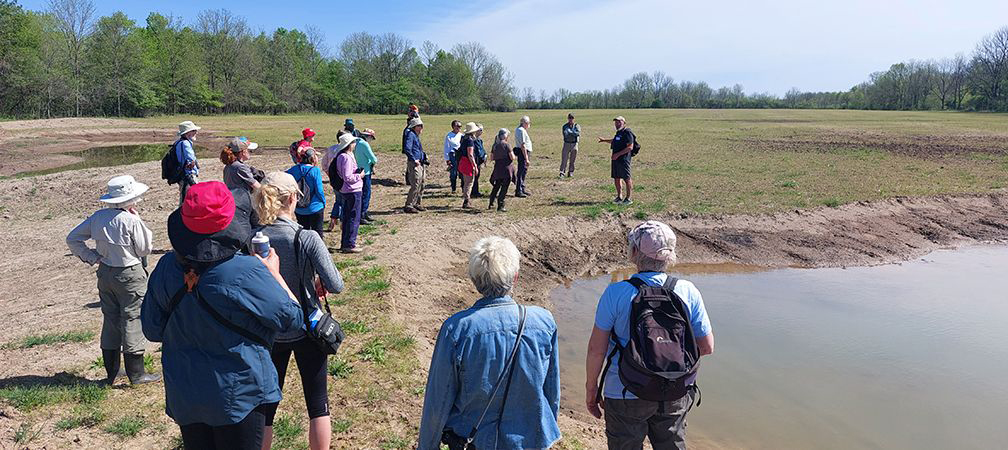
(593,44)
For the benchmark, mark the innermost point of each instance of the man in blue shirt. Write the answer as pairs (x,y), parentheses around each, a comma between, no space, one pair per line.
(186,155)
(630,419)
(416,172)
(472,352)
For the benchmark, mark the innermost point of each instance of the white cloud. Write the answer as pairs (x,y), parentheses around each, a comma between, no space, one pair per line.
(765,46)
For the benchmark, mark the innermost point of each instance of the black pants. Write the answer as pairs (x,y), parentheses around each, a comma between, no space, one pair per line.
(499,192)
(311,364)
(244,435)
(475,188)
(312,221)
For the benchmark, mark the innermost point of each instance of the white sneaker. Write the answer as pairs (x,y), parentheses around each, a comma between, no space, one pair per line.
(627,201)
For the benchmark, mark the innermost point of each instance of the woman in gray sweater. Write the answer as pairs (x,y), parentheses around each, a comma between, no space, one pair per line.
(275,200)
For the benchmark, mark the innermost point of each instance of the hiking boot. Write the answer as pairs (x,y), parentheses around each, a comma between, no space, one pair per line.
(520,195)
(113,365)
(135,370)
(410,210)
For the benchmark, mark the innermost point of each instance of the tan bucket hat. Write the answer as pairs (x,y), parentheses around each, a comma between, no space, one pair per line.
(186,127)
(471,128)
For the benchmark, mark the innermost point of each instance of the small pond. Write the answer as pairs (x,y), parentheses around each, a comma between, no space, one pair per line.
(116,155)
(911,355)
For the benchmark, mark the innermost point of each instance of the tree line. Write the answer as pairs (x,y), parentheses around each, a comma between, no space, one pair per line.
(978,82)
(65,61)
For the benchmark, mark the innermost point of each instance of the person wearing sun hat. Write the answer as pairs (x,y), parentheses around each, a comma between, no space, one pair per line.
(353,183)
(465,160)
(122,243)
(622,152)
(651,247)
(216,312)
(416,160)
(186,155)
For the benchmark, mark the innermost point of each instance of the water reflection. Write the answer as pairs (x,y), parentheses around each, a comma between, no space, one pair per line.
(116,155)
(897,356)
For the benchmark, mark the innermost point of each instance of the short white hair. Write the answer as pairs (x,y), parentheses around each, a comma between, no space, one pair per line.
(493,264)
(127,203)
(525,119)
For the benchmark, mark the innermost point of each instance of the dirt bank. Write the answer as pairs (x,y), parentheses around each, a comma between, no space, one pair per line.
(30,145)
(44,289)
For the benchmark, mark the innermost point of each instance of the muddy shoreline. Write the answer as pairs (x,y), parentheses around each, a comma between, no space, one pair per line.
(425,254)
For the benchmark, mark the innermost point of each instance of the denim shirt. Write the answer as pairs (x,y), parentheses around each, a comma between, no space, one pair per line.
(471,351)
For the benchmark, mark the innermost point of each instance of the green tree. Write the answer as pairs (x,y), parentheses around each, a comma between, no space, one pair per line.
(116,67)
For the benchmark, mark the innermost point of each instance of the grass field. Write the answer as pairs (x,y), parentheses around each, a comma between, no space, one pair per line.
(710,161)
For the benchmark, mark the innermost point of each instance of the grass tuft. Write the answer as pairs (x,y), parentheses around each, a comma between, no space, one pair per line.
(287,433)
(340,368)
(128,426)
(51,338)
(27,433)
(355,327)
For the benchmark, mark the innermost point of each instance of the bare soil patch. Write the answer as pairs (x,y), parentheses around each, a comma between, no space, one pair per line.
(918,145)
(46,290)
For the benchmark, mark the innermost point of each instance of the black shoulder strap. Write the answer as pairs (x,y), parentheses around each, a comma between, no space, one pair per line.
(670,283)
(508,371)
(227,323)
(637,282)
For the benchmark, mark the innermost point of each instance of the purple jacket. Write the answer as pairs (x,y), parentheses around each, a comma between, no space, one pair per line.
(346,166)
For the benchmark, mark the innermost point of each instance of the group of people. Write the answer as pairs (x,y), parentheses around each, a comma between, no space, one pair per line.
(230,313)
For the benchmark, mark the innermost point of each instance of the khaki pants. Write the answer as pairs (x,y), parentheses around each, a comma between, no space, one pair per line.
(628,422)
(416,176)
(568,154)
(120,292)
(467,183)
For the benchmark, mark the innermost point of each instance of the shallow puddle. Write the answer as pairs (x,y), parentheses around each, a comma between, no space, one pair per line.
(911,355)
(116,155)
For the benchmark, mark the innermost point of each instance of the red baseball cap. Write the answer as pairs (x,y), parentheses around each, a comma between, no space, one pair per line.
(307,133)
(208,207)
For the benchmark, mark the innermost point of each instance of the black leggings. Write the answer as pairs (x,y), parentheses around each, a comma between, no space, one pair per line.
(244,435)
(311,364)
(312,221)
(499,192)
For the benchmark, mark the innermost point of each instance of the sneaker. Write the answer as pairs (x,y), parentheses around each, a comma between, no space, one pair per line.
(521,195)
(351,250)
(561,175)
(419,208)
(410,210)
(570,174)
(617,201)
(365,221)
(627,201)
(501,209)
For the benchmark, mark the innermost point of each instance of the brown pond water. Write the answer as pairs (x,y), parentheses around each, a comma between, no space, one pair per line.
(116,155)
(911,355)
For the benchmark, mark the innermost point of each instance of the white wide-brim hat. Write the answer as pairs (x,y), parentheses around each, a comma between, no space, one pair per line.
(414,122)
(471,128)
(122,189)
(186,127)
(345,140)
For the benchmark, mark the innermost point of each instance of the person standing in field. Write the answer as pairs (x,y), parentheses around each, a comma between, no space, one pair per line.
(678,317)
(347,170)
(523,150)
(311,208)
(465,158)
(622,145)
(571,135)
(302,256)
(122,243)
(481,156)
(503,171)
(366,160)
(349,127)
(452,141)
(237,173)
(416,171)
(296,148)
(498,339)
(186,155)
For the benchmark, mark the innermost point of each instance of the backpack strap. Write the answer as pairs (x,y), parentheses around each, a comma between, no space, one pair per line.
(509,372)
(601,383)
(670,283)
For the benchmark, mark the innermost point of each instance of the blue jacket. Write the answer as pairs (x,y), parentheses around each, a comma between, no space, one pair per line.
(471,351)
(412,146)
(313,176)
(212,374)
(185,154)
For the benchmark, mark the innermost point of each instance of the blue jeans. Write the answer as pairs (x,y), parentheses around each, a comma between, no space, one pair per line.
(337,206)
(366,195)
(350,220)
(454,174)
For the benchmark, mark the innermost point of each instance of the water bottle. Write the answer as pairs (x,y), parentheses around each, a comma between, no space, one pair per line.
(261,245)
(314,318)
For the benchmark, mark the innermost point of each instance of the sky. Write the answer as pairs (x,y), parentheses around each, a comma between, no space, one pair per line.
(771,47)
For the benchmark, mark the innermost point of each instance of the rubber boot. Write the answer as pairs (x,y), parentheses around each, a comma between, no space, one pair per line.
(113,365)
(135,370)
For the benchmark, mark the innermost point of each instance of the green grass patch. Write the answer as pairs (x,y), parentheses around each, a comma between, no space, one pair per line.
(51,338)
(832,202)
(355,327)
(392,441)
(82,416)
(340,368)
(365,230)
(128,426)
(369,258)
(341,425)
(287,433)
(28,398)
(374,350)
(26,433)
(345,264)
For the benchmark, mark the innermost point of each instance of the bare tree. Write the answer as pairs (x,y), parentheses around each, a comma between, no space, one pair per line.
(429,51)
(225,39)
(318,40)
(959,70)
(74,20)
(990,63)
(942,79)
(493,80)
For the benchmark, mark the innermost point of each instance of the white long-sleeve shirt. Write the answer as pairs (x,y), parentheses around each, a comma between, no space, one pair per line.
(452,141)
(121,238)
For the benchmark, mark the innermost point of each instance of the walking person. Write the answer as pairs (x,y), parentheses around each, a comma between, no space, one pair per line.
(571,135)
(465,158)
(216,313)
(122,243)
(523,150)
(504,169)
(303,256)
(622,145)
(366,160)
(186,155)
(481,156)
(347,170)
(452,141)
(416,170)
(311,207)
(498,339)
(678,317)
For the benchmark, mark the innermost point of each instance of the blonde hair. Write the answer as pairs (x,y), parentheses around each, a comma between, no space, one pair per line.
(493,264)
(273,196)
